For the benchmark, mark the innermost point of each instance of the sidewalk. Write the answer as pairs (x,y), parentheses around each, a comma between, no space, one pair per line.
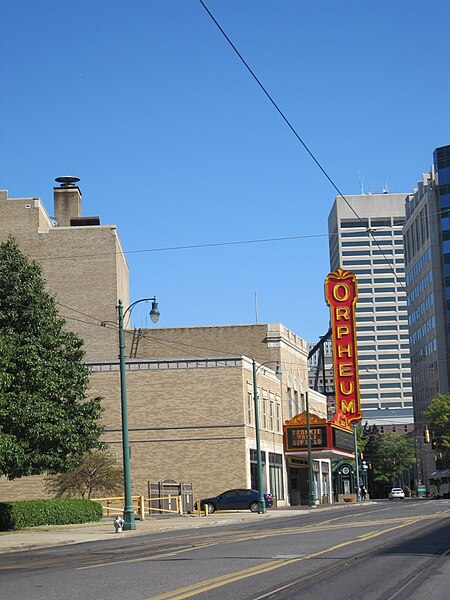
(59,535)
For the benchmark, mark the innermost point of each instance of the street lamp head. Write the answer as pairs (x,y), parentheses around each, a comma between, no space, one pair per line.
(154,313)
(278,371)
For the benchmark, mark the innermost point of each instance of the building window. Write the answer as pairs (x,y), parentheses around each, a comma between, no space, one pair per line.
(264,409)
(290,403)
(254,468)
(276,485)
(250,408)
(278,408)
(271,415)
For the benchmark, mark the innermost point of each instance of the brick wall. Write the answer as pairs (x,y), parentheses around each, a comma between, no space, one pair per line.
(84,267)
(186,420)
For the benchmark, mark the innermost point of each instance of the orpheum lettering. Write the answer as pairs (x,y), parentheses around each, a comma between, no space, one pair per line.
(341,292)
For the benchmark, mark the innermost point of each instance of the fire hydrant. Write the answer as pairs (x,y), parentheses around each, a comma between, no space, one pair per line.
(118,524)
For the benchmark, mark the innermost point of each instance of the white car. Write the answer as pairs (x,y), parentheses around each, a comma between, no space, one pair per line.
(396,493)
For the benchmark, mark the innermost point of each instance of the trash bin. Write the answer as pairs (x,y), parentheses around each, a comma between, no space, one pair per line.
(274,502)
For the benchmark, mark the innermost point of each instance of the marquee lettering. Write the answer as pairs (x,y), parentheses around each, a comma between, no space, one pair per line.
(342,312)
(341,292)
(348,407)
(346,370)
(340,296)
(346,390)
(342,330)
(345,350)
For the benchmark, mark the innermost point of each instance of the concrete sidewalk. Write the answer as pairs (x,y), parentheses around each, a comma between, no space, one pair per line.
(59,535)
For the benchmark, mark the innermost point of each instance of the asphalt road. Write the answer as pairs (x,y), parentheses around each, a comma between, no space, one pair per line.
(384,551)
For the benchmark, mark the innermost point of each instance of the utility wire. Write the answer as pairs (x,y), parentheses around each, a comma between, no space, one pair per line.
(299,138)
(373,231)
(288,123)
(277,108)
(190,246)
(241,242)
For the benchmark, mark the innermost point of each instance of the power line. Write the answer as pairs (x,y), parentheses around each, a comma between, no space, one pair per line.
(188,246)
(372,231)
(299,138)
(277,108)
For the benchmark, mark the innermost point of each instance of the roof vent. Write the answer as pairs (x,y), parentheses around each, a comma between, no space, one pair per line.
(67,181)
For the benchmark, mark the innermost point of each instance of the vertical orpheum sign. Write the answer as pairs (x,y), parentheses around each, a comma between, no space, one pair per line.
(341,293)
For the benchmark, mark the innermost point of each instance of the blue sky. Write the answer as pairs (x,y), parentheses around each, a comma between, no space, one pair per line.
(175,143)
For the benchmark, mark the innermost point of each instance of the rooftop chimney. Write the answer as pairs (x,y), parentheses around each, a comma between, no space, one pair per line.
(67,200)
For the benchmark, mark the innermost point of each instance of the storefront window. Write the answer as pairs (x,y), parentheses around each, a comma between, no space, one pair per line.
(254,468)
(276,475)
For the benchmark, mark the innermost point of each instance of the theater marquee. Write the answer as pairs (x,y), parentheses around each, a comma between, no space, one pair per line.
(327,439)
(341,293)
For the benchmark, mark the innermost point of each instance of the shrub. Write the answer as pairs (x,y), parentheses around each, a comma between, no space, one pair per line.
(64,511)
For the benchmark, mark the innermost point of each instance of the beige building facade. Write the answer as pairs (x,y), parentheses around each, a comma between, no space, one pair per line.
(191,407)
(192,420)
(83,263)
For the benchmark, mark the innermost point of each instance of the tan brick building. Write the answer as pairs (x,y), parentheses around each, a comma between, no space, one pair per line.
(192,420)
(190,389)
(82,261)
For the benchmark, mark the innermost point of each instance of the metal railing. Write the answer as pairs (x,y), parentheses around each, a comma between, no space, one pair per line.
(142,506)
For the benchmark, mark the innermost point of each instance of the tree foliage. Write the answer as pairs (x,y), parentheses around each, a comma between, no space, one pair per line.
(394,455)
(388,456)
(371,439)
(97,474)
(46,423)
(437,414)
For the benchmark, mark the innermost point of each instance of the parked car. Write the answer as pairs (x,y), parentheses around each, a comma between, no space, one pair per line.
(396,493)
(237,499)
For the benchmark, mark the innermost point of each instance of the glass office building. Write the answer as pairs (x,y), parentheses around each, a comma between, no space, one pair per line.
(427,259)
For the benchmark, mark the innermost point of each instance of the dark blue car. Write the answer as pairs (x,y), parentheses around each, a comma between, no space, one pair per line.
(238,499)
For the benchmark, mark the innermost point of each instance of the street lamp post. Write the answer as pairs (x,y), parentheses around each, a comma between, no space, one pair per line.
(261,500)
(311,495)
(128,513)
(358,498)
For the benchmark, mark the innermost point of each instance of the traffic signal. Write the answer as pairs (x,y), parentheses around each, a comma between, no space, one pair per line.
(434,443)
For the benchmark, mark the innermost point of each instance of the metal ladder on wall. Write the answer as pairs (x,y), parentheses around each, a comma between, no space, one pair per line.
(137,335)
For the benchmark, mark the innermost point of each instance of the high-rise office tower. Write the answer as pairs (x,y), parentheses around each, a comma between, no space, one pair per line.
(427,261)
(365,237)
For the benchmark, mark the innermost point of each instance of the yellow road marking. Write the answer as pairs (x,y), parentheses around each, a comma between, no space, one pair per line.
(263,535)
(210,584)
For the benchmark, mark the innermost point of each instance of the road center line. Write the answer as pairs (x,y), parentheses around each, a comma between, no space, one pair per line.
(215,582)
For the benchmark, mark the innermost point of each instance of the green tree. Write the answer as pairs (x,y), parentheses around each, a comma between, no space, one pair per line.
(437,414)
(97,474)
(371,439)
(362,438)
(394,455)
(46,422)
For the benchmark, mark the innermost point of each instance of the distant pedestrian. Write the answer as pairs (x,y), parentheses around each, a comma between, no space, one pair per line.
(363,493)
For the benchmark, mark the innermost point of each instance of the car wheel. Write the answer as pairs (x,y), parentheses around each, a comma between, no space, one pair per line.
(211,508)
(254,507)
